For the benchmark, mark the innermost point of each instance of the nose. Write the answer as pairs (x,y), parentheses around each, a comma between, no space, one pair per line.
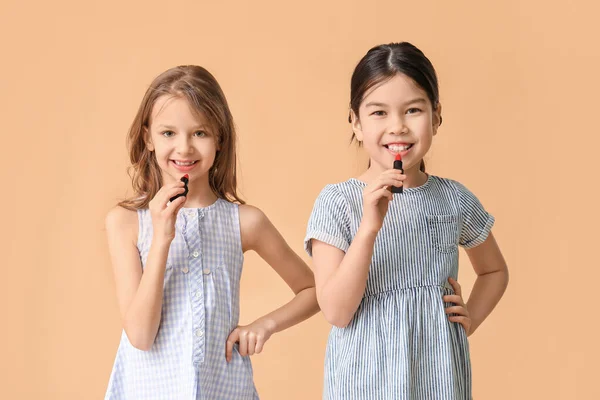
(184,145)
(398,126)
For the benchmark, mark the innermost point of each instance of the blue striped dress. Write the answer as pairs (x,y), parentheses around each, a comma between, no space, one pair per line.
(200,309)
(400,343)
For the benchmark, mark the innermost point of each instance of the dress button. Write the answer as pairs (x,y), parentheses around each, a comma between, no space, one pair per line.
(206,271)
(185,270)
(196,253)
(199,333)
(198,294)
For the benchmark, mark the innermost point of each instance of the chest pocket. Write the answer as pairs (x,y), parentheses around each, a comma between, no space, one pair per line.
(443,232)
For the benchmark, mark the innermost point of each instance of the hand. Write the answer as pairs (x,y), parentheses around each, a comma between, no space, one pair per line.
(376,198)
(164,214)
(460,308)
(251,338)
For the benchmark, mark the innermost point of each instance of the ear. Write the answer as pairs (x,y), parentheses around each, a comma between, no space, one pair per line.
(356,126)
(437,118)
(148,139)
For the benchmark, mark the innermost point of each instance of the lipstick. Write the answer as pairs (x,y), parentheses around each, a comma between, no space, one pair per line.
(398,166)
(185,179)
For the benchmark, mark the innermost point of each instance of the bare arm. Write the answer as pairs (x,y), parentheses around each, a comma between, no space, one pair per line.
(342,278)
(139,294)
(491,282)
(259,234)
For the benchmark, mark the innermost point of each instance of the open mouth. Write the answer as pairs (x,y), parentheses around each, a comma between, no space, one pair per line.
(184,166)
(184,163)
(398,148)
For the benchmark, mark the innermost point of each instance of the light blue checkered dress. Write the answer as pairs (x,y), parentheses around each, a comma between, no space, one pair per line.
(200,309)
(400,344)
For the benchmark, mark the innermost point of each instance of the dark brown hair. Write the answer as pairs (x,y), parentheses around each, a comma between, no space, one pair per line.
(383,62)
(205,96)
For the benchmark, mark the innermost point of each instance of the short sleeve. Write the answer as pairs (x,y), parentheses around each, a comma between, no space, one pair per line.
(476,221)
(329,221)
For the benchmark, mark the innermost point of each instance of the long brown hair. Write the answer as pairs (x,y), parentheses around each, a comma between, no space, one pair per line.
(383,62)
(205,96)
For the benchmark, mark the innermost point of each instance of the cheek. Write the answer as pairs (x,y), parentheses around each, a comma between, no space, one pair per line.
(373,129)
(161,155)
(423,128)
(209,153)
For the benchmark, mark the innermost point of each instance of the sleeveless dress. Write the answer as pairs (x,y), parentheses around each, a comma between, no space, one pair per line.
(200,309)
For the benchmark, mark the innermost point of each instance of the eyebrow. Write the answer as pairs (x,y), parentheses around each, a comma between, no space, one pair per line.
(376,104)
(170,127)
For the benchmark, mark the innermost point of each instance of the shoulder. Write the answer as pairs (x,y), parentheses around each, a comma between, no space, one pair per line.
(251,216)
(255,227)
(338,194)
(120,220)
(344,188)
(451,185)
(441,181)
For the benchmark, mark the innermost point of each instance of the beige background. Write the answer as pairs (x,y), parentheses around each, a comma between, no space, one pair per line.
(519,88)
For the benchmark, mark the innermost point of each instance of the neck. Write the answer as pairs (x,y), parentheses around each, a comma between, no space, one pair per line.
(200,194)
(414,176)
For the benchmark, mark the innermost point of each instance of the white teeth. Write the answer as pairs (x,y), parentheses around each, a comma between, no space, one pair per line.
(184,164)
(396,148)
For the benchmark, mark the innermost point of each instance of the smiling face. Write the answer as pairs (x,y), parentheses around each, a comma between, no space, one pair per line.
(182,140)
(396,116)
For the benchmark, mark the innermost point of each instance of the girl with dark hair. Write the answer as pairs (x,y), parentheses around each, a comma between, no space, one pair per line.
(386,263)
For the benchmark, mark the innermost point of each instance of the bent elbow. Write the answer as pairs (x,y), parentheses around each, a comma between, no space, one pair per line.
(141,345)
(336,318)
(139,340)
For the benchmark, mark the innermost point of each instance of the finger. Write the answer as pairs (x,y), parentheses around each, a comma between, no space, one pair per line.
(391,178)
(251,343)
(172,208)
(455,286)
(231,340)
(453,298)
(393,174)
(376,195)
(168,194)
(464,321)
(176,184)
(391,171)
(387,181)
(170,187)
(164,195)
(243,344)
(457,310)
(260,343)
(382,193)
(176,205)
(183,200)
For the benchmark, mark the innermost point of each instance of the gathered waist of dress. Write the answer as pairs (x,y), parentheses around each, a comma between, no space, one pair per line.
(403,289)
